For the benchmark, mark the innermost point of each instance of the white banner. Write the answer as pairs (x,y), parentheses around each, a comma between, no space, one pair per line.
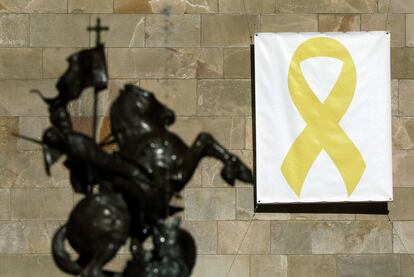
(323,117)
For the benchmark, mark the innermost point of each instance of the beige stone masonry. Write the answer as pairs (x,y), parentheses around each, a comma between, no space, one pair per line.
(33,6)
(90,6)
(172,31)
(339,23)
(328,6)
(289,23)
(394,23)
(127,30)
(247,6)
(59,30)
(194,55)
(166,6)
(15,30)
(22,203)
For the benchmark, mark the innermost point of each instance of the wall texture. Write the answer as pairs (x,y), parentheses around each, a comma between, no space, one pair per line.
(195,55)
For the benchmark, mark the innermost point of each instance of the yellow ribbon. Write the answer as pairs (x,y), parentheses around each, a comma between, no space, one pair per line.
(323,130)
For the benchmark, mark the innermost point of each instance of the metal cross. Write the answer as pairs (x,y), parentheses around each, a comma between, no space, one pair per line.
(98,29)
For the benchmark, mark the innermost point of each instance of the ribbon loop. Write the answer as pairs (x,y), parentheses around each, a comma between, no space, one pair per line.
(323,131)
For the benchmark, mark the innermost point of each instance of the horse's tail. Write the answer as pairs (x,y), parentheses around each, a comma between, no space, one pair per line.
(60,256)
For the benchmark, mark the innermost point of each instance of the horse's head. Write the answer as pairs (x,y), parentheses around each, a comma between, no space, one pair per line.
(137,111)
(148,106)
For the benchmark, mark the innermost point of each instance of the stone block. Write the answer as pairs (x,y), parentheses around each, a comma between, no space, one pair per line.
(20,63)
(406,94)
(290,237)
(221,266)
(210,204)
(243,237)
(396,6)
(311,266)
(268,265)
(227,30)
(331,237)
(403,232)
(224,97)
(172,31)
(179,95)
(394,23)
(26,237)
(339,23)
(181,63)
(132,6)
(247,6)
(23,266)
(91,6)
(195,180)
(403,132)
(237,63)
(54,61)
(208,63)
(8,126)
(403,162)
(4,204)
(31,127)
(351,237)
(124,30)
(59,30)
(394,97)
(289,23)
(205,235)
(200,6)
(166,6)
(41,203)
(407,266)
(409,22)
(245,203)
(14,30)
(327,6)
(228,131)
(401,208)
(402,65)
(26,169)
(34,6)
(368,265)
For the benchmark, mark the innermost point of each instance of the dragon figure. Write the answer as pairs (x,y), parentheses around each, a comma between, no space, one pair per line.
(127,191)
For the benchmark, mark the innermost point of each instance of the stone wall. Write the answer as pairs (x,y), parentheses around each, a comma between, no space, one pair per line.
(195,55)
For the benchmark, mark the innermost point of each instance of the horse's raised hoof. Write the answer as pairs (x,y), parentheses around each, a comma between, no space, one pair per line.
(245,175)
(235,169)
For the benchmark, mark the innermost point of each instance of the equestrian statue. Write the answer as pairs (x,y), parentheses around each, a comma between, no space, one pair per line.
(127,191)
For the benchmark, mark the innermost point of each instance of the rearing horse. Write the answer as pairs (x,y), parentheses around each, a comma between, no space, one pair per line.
(139,125)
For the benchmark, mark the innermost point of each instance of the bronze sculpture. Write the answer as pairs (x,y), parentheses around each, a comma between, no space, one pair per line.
(127,191)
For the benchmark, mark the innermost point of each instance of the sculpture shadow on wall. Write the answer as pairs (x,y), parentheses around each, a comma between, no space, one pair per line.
(127,191)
